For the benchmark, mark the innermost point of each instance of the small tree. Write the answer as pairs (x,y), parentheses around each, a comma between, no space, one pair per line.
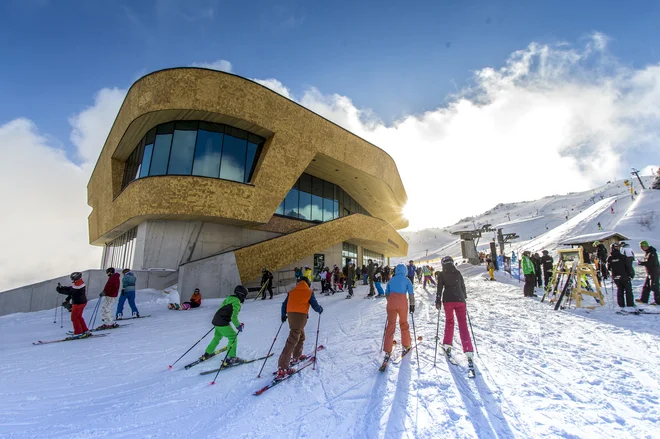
(656,181)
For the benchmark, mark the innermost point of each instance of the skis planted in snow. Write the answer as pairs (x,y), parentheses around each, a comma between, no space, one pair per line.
(200,360)
(275,382)
(75,337)
(227,366)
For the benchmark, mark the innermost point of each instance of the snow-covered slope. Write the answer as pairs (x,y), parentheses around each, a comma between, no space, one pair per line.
(540,374)
(541,224)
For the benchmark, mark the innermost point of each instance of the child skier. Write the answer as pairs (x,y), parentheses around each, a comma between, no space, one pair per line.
(491,268)
(451,292)
(228,312)
(398,306)
(296,308)
(76,295)
(127,293)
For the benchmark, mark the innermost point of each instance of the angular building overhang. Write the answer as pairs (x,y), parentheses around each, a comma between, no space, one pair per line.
(297,140)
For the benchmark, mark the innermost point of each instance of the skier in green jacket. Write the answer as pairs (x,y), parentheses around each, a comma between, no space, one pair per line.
(530,274)
(228,312)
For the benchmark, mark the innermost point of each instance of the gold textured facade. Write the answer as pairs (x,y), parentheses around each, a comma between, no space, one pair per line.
(297,141)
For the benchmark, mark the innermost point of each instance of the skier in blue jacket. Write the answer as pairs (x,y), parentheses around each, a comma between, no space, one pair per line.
(412,271)
(127,292)
(400,300)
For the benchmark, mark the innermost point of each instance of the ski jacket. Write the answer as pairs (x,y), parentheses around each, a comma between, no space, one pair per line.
(128,283)
(426,271)
(308,274)
(371,270)
(111,288)
(650,261)
(547,262)
(378,275)
(196,298)
(490,265)
(601,252)
(298,273)
(76,292)
(400,284)
(628,252)
(267,277)
(451,286)
(527,265)
(364,270)
(228,312)
(299,299)
(620,266)
(350,271)
(412,270)
(537,264)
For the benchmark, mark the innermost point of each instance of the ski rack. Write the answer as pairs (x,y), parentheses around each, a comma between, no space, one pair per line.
(571,277)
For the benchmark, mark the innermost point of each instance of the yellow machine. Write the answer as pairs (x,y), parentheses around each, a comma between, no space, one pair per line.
(570,279)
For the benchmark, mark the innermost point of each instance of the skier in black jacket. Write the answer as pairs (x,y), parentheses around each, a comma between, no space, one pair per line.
(266,283)
(452,292)
(622,272)
(76,300)
(536,259)
(546,263)
(650,262)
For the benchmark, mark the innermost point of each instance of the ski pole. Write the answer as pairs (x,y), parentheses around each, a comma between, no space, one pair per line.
(177,360)
(95,312)
(382,344)
(316,346)
(222,365)
(269,350)
(57,300)
(437,332)
(412,316)
(61,316)
(474,340)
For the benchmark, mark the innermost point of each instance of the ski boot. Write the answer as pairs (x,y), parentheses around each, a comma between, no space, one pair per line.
(406,349)
(295,361)
(470,359)
(206,356)
(119,317)
(447,348)
(385,362)
(283,373)
(136,315)
(232,361)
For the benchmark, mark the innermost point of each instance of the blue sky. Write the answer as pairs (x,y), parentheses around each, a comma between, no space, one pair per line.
(391,58)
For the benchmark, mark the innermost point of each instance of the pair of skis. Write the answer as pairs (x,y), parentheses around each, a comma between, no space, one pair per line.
(201,359)
(311,359)
(102,329)
(450,359)
(238,363)
(637,311)
(394,359)
(131,318)
(71,338)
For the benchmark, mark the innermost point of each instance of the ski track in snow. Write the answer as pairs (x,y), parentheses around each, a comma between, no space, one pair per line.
(540,373)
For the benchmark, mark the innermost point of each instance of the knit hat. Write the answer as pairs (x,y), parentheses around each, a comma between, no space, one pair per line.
(644,243)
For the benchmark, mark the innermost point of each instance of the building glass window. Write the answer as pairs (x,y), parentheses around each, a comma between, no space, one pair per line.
(196,148)
(377,258)
(119,252)
(348,251)
(291,203)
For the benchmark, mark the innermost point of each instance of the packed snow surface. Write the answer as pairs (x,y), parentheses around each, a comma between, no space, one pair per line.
(540,374)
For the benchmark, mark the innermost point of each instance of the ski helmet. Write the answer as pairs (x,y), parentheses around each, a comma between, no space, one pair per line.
(615,245)
(110,271)
(76,275)
(241,292)
(447,260)
(545,252)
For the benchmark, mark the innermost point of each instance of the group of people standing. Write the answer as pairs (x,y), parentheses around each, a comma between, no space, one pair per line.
(537,271)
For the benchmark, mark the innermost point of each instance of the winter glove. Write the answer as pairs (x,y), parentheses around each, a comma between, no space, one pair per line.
(412,309)
(240,327)
(320,309)
(102,294)
(438,305)
(284,318)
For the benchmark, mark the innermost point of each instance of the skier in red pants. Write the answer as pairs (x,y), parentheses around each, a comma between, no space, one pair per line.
(76,295)
(451,292)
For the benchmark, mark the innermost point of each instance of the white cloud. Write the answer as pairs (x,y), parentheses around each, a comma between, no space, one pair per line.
(275,85)
(221,65)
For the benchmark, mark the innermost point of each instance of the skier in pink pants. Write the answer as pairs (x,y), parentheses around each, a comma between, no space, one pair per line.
(451,292)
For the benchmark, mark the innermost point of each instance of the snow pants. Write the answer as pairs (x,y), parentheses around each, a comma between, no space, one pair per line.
(651,284)
(539,279)
(530,281)
(547,275)
(108,309)
(79,325)
(491,273)
(379,287)
(412,279)
(294,344)
(349,285)
(397,305)
(371,286)
(624,294)
(461,314)
(268,288)
(220,333)
(123,297)
(428,279)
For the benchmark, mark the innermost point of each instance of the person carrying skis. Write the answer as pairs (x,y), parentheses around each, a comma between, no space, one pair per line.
(295,308)
(546,264)
(228,312)
(529,273)
(601,256)
(398,305)
(622,272)
(451,291)
(127,292)
(650,262)
(78,299)
(412,271)
(109,294)
(266,283)
(491,268)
